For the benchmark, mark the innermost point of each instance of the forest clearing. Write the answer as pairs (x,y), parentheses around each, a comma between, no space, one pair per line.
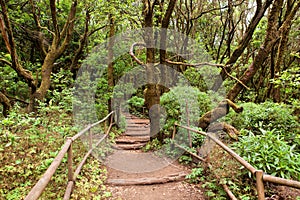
(151,99)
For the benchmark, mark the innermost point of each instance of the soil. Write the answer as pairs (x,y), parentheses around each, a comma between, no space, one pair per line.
(129,164)
(179,190)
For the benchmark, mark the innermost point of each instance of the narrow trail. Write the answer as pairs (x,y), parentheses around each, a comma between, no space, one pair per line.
(134,174)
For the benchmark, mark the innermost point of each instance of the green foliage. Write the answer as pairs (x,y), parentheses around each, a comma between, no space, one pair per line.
(155,144)
(11,83)
(196,175)
(175,102)
(29,143)
(91,184)
(267,116)
(289,83)
(270,153)
(195,79)
(136,101)
(214,190)
(136,105)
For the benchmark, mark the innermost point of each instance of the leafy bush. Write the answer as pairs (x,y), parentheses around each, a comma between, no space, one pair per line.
(267,116)
(136,104)
(175,102)
(270,153)
(195,175)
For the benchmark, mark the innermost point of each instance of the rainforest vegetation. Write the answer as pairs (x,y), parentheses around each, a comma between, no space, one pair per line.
(228,63)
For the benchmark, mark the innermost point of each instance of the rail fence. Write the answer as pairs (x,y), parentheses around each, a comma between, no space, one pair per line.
(40,186)
(259,174)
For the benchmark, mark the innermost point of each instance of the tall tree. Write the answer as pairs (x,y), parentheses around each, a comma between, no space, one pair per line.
(271,37)
(60,40)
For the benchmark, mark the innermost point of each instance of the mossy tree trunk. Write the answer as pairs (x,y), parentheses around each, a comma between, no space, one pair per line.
(153,90)
(6,104)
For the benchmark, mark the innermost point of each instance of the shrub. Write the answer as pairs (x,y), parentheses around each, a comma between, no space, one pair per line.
(267,116)
(136,104)
(175,102)
(269,152)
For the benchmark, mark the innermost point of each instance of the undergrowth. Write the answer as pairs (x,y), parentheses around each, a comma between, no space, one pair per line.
(29,144)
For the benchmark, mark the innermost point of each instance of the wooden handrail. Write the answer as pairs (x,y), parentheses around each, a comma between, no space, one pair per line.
(282,181)
(260,176)
(221,144)
(78,169)
(91,126)
(40,186)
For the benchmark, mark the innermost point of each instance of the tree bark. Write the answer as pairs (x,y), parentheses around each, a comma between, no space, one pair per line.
(7,34)
(56,50)
(150,94)
(6,104)
(220,111)
(83,40)
(263,52)
(148,181)
(110,68)
(259,13)
(283,35)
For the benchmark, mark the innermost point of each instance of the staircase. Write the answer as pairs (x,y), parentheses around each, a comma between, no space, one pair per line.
(137,134)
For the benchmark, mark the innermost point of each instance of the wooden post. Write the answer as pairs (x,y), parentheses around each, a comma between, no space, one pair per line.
(70,159)
(105,126)
(90,139)
(260,184)
(188,122)
(118,113)
(173,137)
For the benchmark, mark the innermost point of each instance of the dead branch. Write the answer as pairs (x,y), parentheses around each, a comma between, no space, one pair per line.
(205,162)
(131,53)
(5,62)
(230,130)
(220,111)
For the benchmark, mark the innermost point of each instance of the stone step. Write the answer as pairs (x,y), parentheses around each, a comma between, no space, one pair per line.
(129,146)
(132,139)
(137,133)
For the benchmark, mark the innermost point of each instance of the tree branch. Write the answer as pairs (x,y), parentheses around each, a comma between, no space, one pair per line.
(131,53)
(96,29)
(68,28)
(5,62)
(13,52)
(208,64)
(54,19)
(82,42)
(6,104)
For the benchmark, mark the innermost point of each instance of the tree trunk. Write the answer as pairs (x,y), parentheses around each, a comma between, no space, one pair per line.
(152,97)
(259,13)
(283,35)
(6,104)
(60,41)
(220,111)
(265,49)
(46,75)
(110,68)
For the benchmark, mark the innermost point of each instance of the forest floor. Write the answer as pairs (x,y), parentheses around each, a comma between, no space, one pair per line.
(175,190)
(135,174)
(138,175)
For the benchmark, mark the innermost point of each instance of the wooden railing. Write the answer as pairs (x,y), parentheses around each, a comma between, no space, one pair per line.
(259,174)
(39,187)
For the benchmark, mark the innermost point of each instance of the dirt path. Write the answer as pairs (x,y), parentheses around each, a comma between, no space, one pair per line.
(133,174)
